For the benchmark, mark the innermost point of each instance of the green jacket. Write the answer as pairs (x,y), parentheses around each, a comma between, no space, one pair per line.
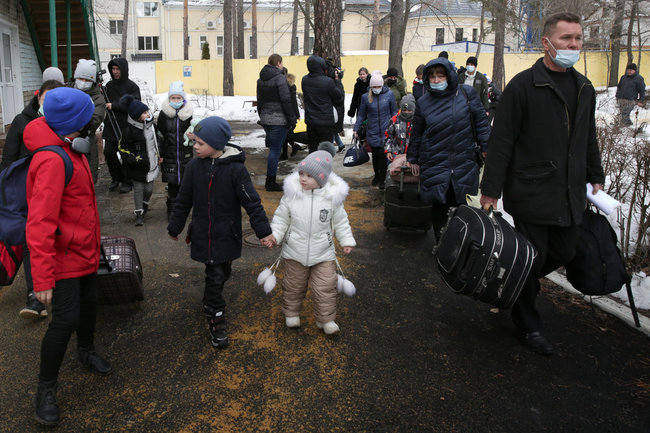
(398,89)
(480,85)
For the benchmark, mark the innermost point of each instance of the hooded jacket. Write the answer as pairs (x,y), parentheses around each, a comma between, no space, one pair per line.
(480,85)
(115,89)
(442,142)
(378,112)
(172,124)
(307,221)
(273,98)
(215,189)
(631,87)
(538,158)
(320,94)
(62,230)
(398,88)
(139,151)
(14,147)
(360,88)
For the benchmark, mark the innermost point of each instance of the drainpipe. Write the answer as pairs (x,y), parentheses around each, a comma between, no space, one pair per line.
(68,37)
(53,41)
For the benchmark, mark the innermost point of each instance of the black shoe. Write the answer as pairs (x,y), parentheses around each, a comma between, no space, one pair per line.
(375,181)
(113,186)
(125,188)
(139,218)
(44,402)
(341,149)
(382,186)
(95,363)
(217,328)
(272,185)
(536,342)
(33,309)
(145,208)
(294,149)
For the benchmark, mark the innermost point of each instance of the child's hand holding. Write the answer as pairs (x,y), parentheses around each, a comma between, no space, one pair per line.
(347,250)
(269,241)
(174,237)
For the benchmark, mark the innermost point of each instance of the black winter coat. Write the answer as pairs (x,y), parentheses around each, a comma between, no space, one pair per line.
(360,89)
(418,89)
(172,124)
(631,87)
(274,98)
(538,159)
(14,147)
(115,89)
(320,93)
(442,142)
(215,190)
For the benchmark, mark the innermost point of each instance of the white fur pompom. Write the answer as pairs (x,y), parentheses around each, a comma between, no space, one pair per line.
(348,288)
(261,278)
(269,284)
(339,283)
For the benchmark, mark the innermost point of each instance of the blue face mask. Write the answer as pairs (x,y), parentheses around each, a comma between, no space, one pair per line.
(565,58)
(176,105)
(440,87)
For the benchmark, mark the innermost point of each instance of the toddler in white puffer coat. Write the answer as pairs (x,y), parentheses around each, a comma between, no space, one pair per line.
(310,214)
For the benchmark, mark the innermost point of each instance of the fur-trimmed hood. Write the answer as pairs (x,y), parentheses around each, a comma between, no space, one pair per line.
(186,111)
(336,189)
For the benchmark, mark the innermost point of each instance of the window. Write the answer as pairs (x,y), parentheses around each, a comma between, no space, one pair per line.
(311,44)
(148,43)
(219,45)
(147,9)
(474,35)
(202,40)
(440,36)
(459,35)
(116,27)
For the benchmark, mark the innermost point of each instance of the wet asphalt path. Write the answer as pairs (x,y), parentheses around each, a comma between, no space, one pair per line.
(411,357)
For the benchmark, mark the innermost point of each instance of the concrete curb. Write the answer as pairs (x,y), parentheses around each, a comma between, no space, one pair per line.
(605,303)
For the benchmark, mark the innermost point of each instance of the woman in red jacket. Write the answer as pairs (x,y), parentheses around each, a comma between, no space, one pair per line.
(63,238)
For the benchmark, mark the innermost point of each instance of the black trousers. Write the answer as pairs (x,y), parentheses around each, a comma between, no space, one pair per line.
(440,211)
(113,162)
(318,133)
(172,192)
(216,276)
(73,310)
(379,163)
(555,247)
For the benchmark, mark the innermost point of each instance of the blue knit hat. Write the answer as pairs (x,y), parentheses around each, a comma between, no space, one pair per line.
(176,88)
(134,107)
(67,110)
(215,131)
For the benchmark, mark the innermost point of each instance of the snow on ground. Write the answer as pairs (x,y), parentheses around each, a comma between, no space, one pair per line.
(241,109)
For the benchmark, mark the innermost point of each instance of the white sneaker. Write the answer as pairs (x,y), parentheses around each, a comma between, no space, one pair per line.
(329,327)
(292,322)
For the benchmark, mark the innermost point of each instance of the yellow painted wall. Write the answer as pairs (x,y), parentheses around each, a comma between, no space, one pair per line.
(207,74)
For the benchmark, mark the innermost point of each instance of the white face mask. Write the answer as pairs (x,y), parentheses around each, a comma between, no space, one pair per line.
(376,91)
(565,58)
(471,68)
(82,85)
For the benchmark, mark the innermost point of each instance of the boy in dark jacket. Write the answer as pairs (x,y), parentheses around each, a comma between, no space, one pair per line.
(215,187)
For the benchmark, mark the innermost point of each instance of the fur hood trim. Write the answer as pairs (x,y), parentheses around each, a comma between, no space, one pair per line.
(229,151)
(186,111)
(336,189)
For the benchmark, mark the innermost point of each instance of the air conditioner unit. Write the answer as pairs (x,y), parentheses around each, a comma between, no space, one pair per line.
(212,24)
(247,24)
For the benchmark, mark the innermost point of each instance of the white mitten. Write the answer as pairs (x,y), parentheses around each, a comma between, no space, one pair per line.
(339,283)
(348,288)
(269,284)
(261,278)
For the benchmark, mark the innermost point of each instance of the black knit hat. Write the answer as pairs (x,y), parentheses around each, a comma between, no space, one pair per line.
(471,60)
(392,72)
(134,107)
(631,66)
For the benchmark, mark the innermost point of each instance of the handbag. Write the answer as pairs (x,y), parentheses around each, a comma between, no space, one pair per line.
(355,155)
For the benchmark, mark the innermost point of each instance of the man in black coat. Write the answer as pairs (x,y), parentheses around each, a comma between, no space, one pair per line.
(629,92)
(320,95)
(119,86)
(542,151)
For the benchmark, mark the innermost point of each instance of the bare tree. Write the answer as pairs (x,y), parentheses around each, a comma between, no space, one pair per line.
(399,15)
(294,28)
(305,34)
(375,26)
(185,33)
(634,14)
(125,27)
(228,83)
(254,29)
(327,29)
(498,67)
(617,30)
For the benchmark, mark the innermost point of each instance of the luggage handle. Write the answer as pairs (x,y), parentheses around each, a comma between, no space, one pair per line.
(103,253)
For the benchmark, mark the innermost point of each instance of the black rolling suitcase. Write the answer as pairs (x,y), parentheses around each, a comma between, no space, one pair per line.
(403,205)
(119,277)
(480,255)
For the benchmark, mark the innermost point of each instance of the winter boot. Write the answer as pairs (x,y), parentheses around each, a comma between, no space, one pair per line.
(33,307)
(139,217)
(95,363)
(114,185)
(272,185)
(328,327)
(145,208)
(126,187)
(217,328)
(44,402)
(294,149)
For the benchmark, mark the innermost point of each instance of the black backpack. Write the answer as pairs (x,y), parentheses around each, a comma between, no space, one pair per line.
(597,268)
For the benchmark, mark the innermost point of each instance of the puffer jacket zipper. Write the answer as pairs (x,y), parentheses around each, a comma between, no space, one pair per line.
(178,149)
(210,212)
(311,216)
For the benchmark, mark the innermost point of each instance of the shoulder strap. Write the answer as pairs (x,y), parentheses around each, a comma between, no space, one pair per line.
(471,117)
(67,162)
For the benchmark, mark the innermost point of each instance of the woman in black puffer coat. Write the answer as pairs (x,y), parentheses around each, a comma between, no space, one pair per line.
(442,147)
(360,89)
(173,121)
